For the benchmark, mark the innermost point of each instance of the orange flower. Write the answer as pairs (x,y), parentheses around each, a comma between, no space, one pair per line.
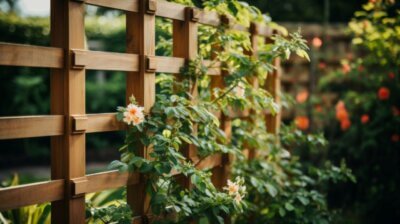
(342,114)
(317,42)
(345,124)
(302,96)
(391,75)
(395,138)
(340,105)
(302,122)
(364,118)
(346,68)
(383,93)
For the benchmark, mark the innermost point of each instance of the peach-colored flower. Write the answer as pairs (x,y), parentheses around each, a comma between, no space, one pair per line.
(133,114)
(346,68)
(383,93)
(364,118)
(302,122)
(317,42)
(345,124)
(302,96)
(340,105)
(238,198)
(232,188)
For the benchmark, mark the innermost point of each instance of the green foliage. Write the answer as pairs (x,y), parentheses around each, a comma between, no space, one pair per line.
(284,187)
(370,145)
(33,214)
(177,120)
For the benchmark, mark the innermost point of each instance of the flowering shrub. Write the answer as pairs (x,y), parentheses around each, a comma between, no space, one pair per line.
(368,89)
(177,120)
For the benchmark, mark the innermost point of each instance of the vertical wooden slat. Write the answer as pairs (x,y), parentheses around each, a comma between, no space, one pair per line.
(221,174)
(185,46)
(273,85)
(68,98)
(253,81)
(141,40)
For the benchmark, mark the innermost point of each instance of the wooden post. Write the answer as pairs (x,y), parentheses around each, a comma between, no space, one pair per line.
(185,46)
(141,40)
(68,99)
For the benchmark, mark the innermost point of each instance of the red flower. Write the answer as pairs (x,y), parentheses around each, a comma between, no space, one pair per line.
(345,124)
(302,122)
(391,75)
(395,138)
(360,68)
(383,93)
(364,118)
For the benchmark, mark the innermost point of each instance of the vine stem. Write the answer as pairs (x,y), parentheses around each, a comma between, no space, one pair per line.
(225,93)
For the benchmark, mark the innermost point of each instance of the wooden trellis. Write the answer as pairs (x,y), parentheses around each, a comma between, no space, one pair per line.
(68,123)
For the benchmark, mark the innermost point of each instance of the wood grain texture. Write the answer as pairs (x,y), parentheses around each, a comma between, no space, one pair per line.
(31,126)
(68,98)
(31,56)
(104,181)
(125,5)
(97,60)
(170,10)
(104,123)
(140,36)
(169,64)
(29,194)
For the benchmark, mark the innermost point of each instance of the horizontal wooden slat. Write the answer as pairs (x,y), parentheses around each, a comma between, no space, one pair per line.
(103,123)
(125,5)
(105,61)
(170,10)
(29,194)
(209,18)
(264,31)
(30,56)
(103,181)
(210,162)
(169,64)
(31,126)
(214,68)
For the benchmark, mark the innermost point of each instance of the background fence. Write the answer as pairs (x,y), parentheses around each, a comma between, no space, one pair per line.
(68,123)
